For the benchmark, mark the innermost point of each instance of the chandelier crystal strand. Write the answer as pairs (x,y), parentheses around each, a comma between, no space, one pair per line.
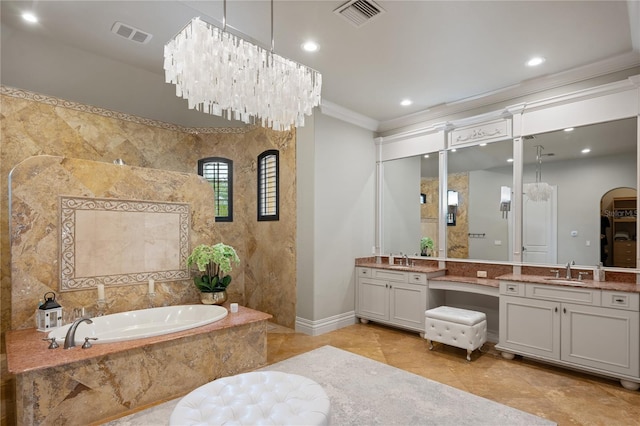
(221,74)
(538,191)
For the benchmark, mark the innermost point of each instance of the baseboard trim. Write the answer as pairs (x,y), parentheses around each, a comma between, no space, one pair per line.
(325,325)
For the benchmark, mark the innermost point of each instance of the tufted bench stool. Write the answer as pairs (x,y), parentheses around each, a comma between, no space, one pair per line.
(456,327)
(256,398)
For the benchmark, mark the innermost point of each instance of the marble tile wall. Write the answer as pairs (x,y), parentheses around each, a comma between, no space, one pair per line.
(33,124)
(35,229)
(458,235)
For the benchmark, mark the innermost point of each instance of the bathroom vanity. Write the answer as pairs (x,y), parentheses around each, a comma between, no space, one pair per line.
(580,324)
(396,296)
(589,326)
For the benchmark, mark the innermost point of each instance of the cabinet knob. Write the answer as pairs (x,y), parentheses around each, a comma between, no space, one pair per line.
(556,309)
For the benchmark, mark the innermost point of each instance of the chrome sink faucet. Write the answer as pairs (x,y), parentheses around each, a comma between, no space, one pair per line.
(70,338)
(568,276)
(406,260)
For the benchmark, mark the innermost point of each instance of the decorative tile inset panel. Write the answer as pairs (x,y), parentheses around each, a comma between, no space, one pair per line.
(121,242)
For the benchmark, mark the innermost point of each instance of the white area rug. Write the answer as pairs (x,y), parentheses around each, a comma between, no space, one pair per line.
(367,392)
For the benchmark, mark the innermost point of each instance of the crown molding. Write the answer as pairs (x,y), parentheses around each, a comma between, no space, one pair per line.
(349,116)
(598,69)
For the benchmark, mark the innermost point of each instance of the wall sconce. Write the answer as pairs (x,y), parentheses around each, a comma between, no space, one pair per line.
(505,201)
(452,203)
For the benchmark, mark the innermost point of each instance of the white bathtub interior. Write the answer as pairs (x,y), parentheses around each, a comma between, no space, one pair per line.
(143,323)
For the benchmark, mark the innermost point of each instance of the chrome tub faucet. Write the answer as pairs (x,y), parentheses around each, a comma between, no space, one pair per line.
(70,338)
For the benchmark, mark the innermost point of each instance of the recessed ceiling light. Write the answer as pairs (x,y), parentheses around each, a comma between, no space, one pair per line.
(453,150)
(509,160)
(569,129)
(310,46)
(483,144)
(30,17)
(535,61)
(586,150)
(406,102)
(426,156)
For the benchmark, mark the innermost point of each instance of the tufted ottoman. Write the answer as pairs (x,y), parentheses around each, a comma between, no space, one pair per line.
(256,398)
(456,327)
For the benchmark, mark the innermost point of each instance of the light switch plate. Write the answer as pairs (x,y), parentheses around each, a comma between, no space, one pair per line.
(481,274)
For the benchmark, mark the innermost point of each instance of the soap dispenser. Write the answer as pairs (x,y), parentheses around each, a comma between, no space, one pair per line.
(598,273)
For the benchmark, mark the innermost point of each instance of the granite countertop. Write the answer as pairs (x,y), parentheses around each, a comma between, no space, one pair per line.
(26,351)
(596,285)
(404,268)
(495,282)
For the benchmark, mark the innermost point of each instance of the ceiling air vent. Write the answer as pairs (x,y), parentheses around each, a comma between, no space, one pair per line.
(130,33)
(359,12)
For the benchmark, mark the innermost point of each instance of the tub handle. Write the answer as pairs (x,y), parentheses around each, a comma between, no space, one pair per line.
(87,344)
(52,343)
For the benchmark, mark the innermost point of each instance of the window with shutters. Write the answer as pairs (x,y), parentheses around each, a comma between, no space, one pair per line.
(268,186)
(219,172)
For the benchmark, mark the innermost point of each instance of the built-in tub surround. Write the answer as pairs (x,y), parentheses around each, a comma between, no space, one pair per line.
(81,386)
(140,324)
(36,186)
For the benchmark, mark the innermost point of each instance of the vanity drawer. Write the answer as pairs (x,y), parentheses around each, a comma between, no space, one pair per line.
(512,289)
(363,272)
(621,300)
(583,296)
(381,274)
(415,278)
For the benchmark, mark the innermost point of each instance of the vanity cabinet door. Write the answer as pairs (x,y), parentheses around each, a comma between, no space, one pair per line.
(529,326)
(603,338)
(373,299)
(407,305)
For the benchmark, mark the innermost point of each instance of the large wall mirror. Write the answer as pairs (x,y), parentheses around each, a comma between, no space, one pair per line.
(579,201)
(410,203)
(478,226)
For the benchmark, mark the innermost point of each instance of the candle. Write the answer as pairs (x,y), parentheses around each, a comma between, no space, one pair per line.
(100,291)
(152,286)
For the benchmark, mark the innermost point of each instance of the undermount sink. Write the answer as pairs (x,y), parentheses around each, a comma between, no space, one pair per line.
(563,280)
(398,267)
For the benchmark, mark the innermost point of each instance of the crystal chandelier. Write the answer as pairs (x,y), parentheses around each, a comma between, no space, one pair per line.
(225,75)
(538,191)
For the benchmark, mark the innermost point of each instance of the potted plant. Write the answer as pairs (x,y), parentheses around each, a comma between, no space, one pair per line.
(214,262)
(426,246)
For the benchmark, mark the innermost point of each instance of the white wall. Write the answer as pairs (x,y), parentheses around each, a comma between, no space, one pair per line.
(581,185)
(305,217)
(401,206)
(339,172)
(485,216)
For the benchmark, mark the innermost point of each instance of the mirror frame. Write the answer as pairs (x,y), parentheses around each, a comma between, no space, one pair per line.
(608,102)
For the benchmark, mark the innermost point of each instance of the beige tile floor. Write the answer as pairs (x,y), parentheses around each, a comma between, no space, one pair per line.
(563,396)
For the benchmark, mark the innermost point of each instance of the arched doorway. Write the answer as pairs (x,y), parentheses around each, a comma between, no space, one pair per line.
(618,227)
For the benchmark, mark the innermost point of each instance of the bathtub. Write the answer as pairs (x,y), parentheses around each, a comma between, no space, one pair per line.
(143,323)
